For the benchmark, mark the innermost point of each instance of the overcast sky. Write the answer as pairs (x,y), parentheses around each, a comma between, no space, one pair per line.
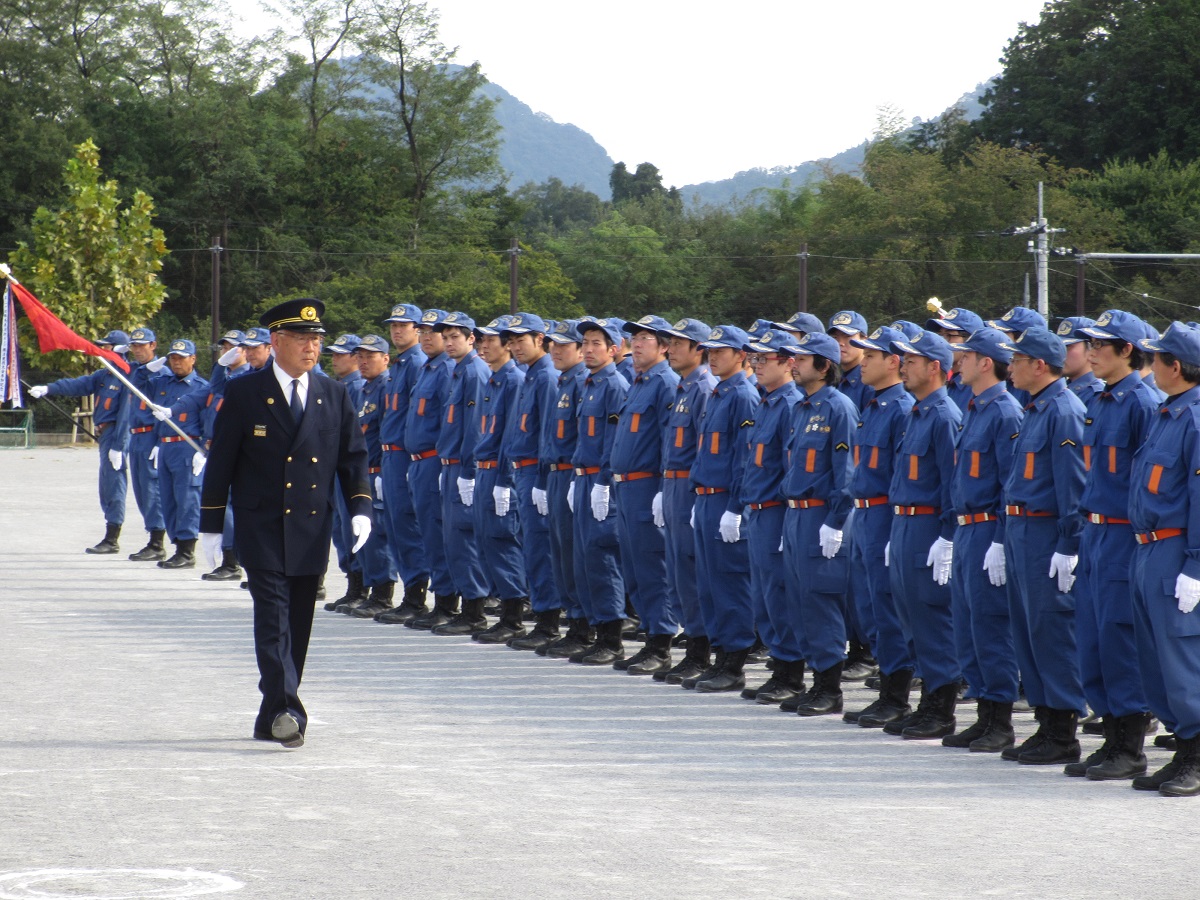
(704,89)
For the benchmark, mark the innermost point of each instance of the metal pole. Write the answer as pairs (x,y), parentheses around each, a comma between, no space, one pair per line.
(1080,286)
(804,277)
(1043,259)
(216,295)
(171,422)
(513,252)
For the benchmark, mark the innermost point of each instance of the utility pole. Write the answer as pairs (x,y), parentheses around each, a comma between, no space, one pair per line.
(803,277)
(216,294)
(1080,284)
(1039,246)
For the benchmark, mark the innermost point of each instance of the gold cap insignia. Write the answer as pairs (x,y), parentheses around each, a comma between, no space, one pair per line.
(309,314)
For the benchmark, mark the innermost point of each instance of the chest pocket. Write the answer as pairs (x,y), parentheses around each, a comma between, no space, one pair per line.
(912,450)
(975,454)
(1161,472)
(873,446)
(1031,457)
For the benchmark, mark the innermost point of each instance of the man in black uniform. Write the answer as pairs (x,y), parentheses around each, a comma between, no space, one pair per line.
(278,441)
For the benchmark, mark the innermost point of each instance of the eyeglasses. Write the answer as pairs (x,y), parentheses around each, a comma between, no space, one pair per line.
(301,338)
(754,359)
(1095,344)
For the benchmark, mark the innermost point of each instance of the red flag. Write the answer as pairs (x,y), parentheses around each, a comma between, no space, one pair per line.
(53,333)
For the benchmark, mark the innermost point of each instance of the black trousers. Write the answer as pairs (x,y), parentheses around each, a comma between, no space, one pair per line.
(283,617)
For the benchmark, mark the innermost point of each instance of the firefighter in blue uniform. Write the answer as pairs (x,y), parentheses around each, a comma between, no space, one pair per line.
(1077,368)
(779,631)
(722,556)
(845,327)
(1164,510)
(344,363)
(598,576)
(817,487)
(801,323)
(1013,323)
(956,325)
(1118,418)
(110,419)
(1042,525)
(142,441)
(921,552)
(982,626)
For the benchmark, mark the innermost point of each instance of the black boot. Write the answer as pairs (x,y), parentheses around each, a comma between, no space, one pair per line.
(108,544)
(354,592)
(411,605)
(445,608)
(1125,758)
(789,683)
(695,661)
(892,705)
(860,664)
(758,652)
(655,656)
(544,632)
(974,731)
(897,727)
(1035,739)
(153,551)
(1185,779)
(825,697)
(470,621)
(937,720)
(184,558)
(999,735)
(579,635)
(228,570)
(511,624)
(608,647)
(779,672)
(1093,724)
(1108,727)
(712,669)
(730,677)
(1059,744)
(378,601)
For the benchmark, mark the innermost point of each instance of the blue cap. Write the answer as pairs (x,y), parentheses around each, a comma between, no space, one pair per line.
(374,343)
(405,312)
(957,319)
(1069,328)
(990,342)
(910,329)
(565,332)
(771,341)
(256,337)
(726,336)
(1181,341)
(880,339)
(1152,332)
(620,323)
(492,328)
(345,344)
(1019,318)
(146,336)
(930,345)
(1040,343)
(433,317)
(233,336)
(802,322)
(455,319)
(526,323)
(182,347)
(759,327)
(113,339)
(657,324)
(818,343)
(1116,325)
(611,327)
(689,329)
(848,322)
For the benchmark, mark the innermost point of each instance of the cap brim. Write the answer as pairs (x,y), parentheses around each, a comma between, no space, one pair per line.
(845,329)
(719,345)
(864,344)
(1153,345)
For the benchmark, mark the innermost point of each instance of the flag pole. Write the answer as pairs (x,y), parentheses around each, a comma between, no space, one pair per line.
(66,415)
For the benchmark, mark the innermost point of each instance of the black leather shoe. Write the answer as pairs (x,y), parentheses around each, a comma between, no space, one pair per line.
(286,730)
(398,615)
(511,624)
(825,697)
(608,647)
(1185,782)
(1059,744)
(999,735)
(694,662)
(655,656)
(108,544)
(470,621)
(543,633)
(153,551)
(729,677)
(936,718)
(184,558)
(963,739)
(378,601)
(445,608)
(709,671)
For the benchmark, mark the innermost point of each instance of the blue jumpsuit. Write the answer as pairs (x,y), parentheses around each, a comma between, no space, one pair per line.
(404,536)
(456,447)
(817,487)
(559,439)
(960,393)
(1085,386)
(498,537)
(723,569)
(178,488)
(924,511)
(343,534)
(598,575)
(378,566)
(859,629)
(625,368)
(876,444)
(1164,509)
(763,523)
(421,432)
(680,441)
(1117,421)
(1046,480)
(142,440)
(636,463)
(982,623)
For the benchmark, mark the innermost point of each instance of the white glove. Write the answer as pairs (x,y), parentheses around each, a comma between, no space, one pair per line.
(502,497)
(154,457)
(361,526)
(571,497)
(120,348)
(229,356)
(156,365)
(692,518)
(731,527)
(379,488)
(780,550)
(600,502)
(541,502)
(657,512)
(162,413)
(887,553)
(831,541)
(1062,567)
(466,491)
(210,545)
(38,391)
(198,461)
(941,558)
(116,458)
(995,566)
(1187,592)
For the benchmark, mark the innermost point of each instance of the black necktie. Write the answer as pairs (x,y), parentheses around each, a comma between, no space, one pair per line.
(297,406)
